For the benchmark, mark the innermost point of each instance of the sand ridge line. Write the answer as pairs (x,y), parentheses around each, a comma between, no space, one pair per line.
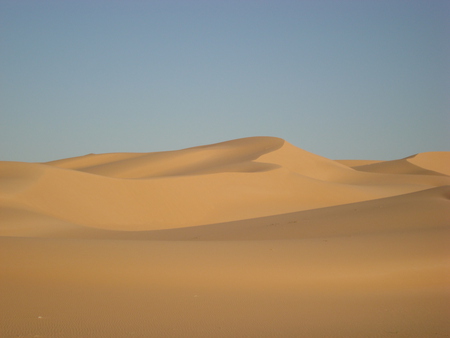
(229,181)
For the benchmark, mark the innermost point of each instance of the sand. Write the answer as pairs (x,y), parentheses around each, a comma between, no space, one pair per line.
(247,238)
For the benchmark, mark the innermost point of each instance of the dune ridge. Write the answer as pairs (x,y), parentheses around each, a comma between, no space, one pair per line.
(360,218)
(228,181)
(234,239)
(235,155)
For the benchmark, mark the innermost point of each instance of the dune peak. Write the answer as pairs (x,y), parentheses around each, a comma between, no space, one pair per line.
(186,239)
(222,182)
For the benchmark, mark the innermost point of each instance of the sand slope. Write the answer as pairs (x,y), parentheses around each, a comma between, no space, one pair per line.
(246,238)
(229,181)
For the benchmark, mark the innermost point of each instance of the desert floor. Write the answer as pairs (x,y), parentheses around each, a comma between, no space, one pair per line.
(247,238)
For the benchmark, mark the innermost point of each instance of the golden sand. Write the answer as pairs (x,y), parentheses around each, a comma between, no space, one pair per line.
(246,238)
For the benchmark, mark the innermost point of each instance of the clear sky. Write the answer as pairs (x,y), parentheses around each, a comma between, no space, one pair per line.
(343,79)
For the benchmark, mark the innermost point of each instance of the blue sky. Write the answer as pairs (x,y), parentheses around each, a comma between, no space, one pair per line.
(342,79)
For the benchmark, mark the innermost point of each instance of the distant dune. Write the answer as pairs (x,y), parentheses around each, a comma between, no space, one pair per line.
(246,238)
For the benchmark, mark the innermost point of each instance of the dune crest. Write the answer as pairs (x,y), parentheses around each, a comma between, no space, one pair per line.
(235,155)
(238,238)
(228,181)
(437,161)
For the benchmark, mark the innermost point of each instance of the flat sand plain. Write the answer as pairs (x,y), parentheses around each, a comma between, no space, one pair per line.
(247,238)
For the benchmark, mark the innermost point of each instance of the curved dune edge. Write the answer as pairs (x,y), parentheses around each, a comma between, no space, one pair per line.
(419,211)
(429,163)
(235,155)
(437,161)
(357,163)
(224,182)
(246,238)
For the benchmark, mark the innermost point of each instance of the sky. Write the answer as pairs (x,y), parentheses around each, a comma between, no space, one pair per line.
(344,79)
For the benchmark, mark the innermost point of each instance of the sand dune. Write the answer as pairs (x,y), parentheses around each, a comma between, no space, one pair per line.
(355,163)
(246,238)
(236,155)
(437,161)
(415,165)
(229,181)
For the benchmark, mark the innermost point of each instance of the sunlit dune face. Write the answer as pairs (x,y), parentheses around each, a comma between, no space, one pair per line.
(251,237)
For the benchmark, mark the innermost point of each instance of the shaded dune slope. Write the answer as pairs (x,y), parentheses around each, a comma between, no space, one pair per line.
(435,161)
(229,181)
(355,163)
(246,238)
(419,211)
(414,165)
(235,155)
